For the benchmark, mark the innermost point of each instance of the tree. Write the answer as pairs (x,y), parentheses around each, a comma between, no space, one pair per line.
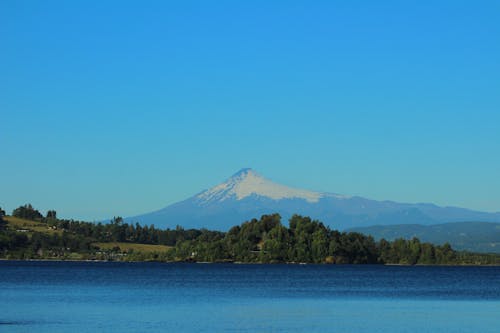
(415,250)
(3,223)
(52,214)
(319,245)
(117,220)
(427,255)
(277,244)
(445,254)
(385,251)
(27,212)
(118,229)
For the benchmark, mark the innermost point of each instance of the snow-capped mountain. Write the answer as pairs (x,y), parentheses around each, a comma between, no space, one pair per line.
(248,195)
(247,182)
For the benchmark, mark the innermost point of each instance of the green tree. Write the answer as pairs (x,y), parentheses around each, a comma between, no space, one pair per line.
(415,249)
(277,244)
(3,223)
(52,215)
(445,254)
(385,251)
(427,254)
(27,212)
(319,245)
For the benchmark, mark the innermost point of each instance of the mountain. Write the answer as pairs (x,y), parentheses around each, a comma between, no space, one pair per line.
(469,236)
(248,195)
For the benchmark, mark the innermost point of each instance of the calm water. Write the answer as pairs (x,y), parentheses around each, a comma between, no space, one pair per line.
(154,297)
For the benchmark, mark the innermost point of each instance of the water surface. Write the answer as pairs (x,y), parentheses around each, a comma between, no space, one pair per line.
(156,297)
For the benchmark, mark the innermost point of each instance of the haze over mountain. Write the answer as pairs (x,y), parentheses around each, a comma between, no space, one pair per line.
(248,195)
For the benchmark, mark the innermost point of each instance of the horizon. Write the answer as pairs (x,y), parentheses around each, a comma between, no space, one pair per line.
(119,108)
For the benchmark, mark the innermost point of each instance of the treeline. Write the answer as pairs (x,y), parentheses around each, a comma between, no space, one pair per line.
(65,237)
(265,240)
(118,231)
(114,231)
(307,241)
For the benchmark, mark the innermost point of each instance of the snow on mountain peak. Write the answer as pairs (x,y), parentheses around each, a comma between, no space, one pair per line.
(247,182)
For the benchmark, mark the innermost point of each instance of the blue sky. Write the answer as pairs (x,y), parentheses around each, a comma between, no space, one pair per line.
(124,107)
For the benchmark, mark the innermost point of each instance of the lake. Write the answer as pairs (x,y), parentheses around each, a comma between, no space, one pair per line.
(157,297)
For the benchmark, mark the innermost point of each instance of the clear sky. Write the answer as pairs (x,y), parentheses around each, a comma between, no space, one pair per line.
(123,107)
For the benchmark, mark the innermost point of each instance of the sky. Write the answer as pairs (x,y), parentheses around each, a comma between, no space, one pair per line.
(114,108)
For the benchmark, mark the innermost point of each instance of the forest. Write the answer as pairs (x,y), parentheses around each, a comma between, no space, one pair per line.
(28,234)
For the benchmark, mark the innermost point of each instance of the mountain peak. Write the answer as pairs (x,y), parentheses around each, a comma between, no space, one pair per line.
(244,173)
(247,194)
(247,182)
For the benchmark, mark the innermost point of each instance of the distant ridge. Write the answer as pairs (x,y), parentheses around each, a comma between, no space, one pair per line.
(247,195)
(469,236)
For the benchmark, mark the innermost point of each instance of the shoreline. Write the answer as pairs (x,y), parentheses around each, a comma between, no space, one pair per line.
(241,263)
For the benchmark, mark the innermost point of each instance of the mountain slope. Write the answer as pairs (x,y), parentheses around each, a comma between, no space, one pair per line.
(247,195)
(247,182)
(470,236)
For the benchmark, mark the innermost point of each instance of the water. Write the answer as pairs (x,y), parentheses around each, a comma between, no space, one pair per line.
(155,297)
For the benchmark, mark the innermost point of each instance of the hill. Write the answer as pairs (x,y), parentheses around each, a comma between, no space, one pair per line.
(469,236)
(265,240)
(68,240)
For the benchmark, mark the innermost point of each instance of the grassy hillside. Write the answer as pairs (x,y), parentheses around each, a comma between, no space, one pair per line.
(28,227)
(67,245)
(132,247)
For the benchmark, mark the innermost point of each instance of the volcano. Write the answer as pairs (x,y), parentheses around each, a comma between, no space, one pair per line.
(247,195)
